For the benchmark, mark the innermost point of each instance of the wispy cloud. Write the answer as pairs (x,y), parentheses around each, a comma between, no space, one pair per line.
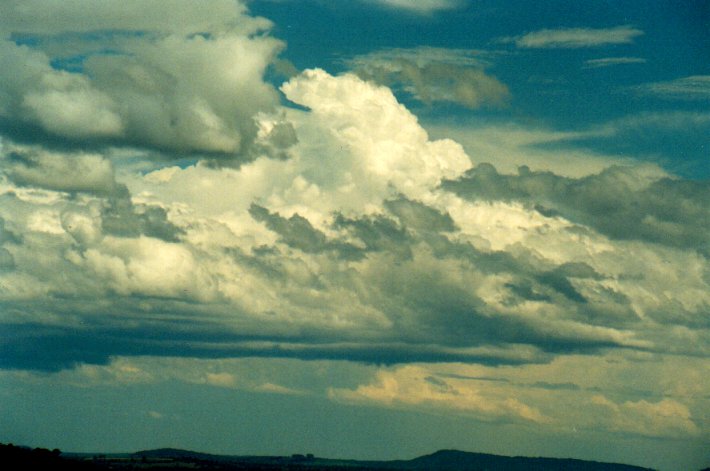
(609,61)
(420,6)
(575,37)
(695,87)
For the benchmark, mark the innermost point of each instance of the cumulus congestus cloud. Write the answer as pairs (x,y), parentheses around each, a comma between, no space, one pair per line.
(371,242)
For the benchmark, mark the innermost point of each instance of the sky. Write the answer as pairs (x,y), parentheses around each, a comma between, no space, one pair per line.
(362,229)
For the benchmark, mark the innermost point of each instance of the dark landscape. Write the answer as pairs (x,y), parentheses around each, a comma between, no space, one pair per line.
(17,457)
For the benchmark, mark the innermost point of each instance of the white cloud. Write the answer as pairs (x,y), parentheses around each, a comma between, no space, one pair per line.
(225,380)
(420,6)
(695,87)
(576,37)
(190,81)
(147,267)
(73,110)
(59,16)
(62,103)
(357,241)
(380,144)
(665,418)
(414,386)
(654,397)
(155,415)
(621,392)
(371,238)
(610,61)
(359,247)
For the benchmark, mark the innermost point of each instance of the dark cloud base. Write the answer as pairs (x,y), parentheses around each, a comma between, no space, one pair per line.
(41,348)
(619,202)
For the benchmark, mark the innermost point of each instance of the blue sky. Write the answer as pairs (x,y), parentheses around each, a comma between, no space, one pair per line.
(563,86)
(367,229)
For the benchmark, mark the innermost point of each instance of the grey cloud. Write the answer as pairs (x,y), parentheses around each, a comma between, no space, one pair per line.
(295,231)
(556,386)
(434,75)
(618,202)
(175,331)
(430,304)
(378,233)
(56,101)
(160,86)
(560,283)
(7,235)
(92,174)
(438,383)
(525,290)
(277,141)
(578,270)
(35,167)
(409,222)
(493,379)
(424,305)
(7,261)
(416,215)
(405,282)
(120,217)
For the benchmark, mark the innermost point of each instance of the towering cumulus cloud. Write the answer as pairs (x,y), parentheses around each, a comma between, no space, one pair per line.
(168,214)
(370,238)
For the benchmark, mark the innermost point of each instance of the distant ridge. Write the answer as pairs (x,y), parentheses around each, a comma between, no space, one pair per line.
(454,460)
(442,460)
(172,459)
(176,453)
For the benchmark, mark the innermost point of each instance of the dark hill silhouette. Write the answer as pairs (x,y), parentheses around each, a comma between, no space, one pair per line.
(23,458)
(168,459)
(176,454)
(454,460)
